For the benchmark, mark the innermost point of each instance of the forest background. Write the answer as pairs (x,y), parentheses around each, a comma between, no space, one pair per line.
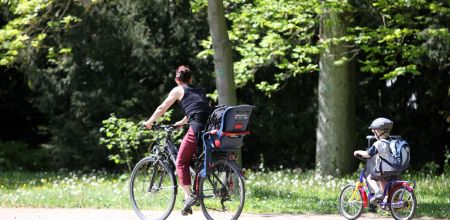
(66,66)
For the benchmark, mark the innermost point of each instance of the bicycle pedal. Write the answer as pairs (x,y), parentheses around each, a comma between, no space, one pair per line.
(186,212)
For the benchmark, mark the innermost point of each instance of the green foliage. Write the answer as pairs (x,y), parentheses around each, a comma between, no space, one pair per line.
(17,156)
(395,36)
(91,58)
(267,33)
(83,60)
(447,160)
(31,22)
(123,138)
(391,40)
(432,168)
(127,141)
(405,44)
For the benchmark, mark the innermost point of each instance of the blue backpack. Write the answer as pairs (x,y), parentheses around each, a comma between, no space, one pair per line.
(400,154)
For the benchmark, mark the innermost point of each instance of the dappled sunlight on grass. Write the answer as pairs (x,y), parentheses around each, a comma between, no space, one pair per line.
(284,191)
(291,191)
(64,189)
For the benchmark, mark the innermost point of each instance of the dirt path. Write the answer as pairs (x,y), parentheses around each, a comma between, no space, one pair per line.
(118,214)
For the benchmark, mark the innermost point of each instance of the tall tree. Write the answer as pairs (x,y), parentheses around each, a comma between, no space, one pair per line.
(336,113)
(223,60)
(275,43)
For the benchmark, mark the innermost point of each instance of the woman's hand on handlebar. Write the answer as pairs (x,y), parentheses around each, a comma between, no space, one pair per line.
(156,126)
(147,125)
(178,124)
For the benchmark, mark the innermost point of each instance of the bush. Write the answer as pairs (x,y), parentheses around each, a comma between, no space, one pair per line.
(18,156)
(128,141)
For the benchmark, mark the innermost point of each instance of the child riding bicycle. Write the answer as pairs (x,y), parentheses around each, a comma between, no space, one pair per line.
(381,128)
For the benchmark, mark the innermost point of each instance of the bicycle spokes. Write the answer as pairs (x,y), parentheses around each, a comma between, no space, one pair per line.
(350,202)
(403,204)
(222,193)
(152,189)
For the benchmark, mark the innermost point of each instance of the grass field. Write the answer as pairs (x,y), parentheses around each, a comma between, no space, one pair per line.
(284,191)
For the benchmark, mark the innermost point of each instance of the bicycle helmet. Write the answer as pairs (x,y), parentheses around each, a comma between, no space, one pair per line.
(381,124)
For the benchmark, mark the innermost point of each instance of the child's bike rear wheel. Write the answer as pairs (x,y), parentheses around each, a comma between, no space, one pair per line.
(222,192)
(403,204)
(350,202)
(152,189)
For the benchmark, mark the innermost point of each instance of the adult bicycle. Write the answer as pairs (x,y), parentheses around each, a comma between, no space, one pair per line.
(218,183)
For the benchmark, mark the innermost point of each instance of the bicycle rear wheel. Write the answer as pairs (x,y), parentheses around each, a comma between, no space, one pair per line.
(350,202)
(222,192)
(152,189)
(403,204)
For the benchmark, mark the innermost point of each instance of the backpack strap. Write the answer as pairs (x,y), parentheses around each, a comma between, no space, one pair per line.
(389,142)
(386,161)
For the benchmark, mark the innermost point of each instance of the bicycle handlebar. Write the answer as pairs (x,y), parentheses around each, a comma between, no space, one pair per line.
(155,126)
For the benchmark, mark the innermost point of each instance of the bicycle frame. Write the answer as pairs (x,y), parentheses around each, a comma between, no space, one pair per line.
(208,149)
(172,151)
(170,148)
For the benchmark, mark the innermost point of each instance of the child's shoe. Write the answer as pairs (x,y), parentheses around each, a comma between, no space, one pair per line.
(376,197)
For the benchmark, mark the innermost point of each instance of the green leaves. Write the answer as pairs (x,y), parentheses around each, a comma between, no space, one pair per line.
(124,138)
(33,21)
(268,33)
(390,40)
(397,43)
(128,141)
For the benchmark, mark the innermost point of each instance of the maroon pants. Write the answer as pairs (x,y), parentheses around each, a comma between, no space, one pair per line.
(187,150)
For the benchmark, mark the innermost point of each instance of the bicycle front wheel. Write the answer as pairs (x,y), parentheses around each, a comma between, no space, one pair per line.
(350,202)
(222,192)
(403,204)
(152,189)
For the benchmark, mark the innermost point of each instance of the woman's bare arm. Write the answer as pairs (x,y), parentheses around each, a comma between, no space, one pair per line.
(174,95)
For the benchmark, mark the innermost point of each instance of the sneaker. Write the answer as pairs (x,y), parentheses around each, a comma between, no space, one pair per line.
(187,205)
(376,197)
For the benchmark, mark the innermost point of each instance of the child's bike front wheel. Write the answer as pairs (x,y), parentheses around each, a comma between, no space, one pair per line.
(350,202)
(403,204)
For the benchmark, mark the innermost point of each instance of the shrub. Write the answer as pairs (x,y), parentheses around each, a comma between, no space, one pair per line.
(129,141)
(17,156)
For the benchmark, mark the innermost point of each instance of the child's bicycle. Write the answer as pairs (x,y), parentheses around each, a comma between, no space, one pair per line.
(398,196)
(218,183)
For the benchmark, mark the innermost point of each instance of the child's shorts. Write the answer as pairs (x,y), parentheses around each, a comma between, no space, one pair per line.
(378,176)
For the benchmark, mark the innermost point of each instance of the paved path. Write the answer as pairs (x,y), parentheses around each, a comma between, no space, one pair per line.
(117,214)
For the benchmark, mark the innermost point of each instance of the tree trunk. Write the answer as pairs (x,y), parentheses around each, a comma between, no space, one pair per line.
(223,60)
(335,132)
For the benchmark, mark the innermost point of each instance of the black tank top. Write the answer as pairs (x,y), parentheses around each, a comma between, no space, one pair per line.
(194,104)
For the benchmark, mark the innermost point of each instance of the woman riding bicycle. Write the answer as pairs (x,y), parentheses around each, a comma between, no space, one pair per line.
(194,105)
